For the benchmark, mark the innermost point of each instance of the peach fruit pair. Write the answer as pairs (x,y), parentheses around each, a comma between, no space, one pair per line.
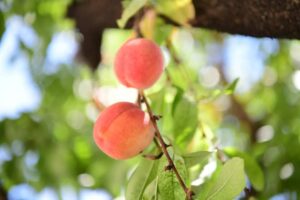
(123,130)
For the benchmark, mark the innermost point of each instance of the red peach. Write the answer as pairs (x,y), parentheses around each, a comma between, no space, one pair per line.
(139,63)
(123,130)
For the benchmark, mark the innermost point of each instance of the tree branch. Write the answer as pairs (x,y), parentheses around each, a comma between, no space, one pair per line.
(258,18)
(171,165)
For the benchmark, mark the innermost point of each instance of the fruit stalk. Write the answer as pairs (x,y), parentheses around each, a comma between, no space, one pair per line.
(164,146)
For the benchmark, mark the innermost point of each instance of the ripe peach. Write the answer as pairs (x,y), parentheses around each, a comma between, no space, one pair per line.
(123,130)
(139,63)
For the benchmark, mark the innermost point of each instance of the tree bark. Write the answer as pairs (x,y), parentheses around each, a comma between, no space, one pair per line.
(91,18)
(258,18)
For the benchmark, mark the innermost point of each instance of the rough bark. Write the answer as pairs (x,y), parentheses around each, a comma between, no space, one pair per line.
(258,18)
(91,18)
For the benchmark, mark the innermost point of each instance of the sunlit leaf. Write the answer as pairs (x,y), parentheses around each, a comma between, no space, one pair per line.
(147,24)
(202,190)
(176,76)
(158,101)
(151,192)
(181,11)
(133,7)
(186,116)
(231,87)
(162,31)
(229,183)
(252,168)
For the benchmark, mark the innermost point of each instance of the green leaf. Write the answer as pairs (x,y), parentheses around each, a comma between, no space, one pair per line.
(202,190)
(162,31)
(182,76)
(168,185)
(151,192)
(195,158)
(133,7)
(252,168)
(230,181)
(142,176)
(185,114)
(158,101)
(231,87)
(181,11)
(176,76)
(177,98)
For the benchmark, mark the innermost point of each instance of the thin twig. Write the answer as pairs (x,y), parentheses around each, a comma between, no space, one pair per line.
(153,157)
(158,138)
(157,144)
(139,102)
(164,147)
(100,106)
(136,24)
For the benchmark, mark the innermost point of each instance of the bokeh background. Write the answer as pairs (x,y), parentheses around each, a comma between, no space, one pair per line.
(47,109)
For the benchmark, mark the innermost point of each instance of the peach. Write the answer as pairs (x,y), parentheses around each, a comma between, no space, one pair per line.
(139,63)
(123,130)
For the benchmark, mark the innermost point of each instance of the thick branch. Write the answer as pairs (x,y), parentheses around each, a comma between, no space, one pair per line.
(259,18)
(91,18)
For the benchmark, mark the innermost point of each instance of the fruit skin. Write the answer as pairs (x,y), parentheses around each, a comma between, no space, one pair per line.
(123,130)
(139,63)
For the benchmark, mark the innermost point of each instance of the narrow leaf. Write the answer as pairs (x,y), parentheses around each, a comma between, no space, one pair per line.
(133,7)
(142,176)
(181,11)
(177,98)
(231,87)
(151,191)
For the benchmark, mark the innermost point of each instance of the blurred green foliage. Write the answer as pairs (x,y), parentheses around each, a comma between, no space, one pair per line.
(59,133)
